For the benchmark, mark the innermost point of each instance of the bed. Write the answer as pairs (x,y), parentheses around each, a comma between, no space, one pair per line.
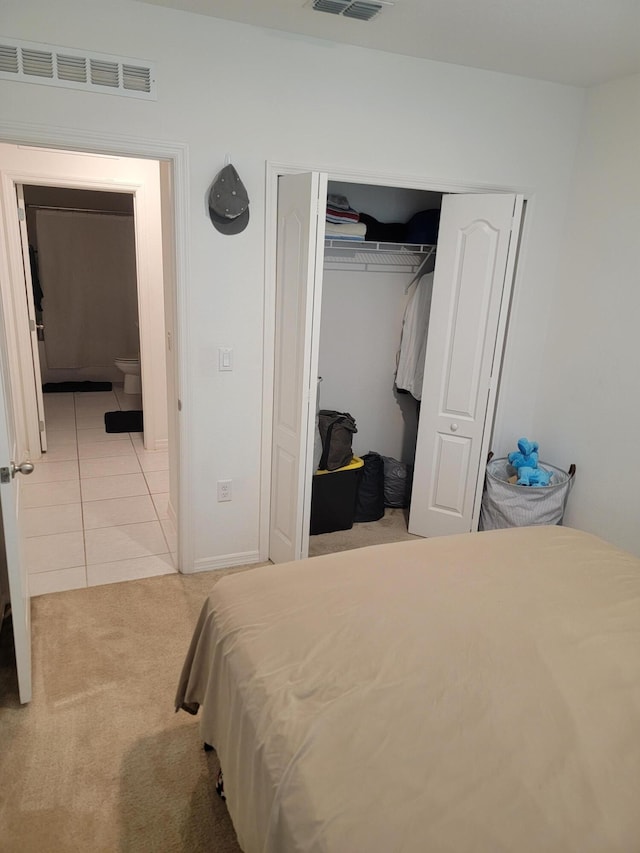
(466,693)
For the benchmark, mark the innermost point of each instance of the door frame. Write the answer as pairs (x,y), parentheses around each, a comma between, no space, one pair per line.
(11,180)
(273,170)
(293,435)
(31,311)
(176,154)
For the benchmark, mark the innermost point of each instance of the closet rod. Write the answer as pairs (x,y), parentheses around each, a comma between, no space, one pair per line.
(80,210)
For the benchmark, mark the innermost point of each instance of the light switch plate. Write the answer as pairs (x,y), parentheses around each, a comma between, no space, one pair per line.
(225,358)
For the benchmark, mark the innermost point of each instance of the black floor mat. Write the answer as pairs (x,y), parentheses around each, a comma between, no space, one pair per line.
(65,387)
(123,421)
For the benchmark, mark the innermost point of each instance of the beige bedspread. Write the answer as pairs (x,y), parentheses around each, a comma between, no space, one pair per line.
(466,693)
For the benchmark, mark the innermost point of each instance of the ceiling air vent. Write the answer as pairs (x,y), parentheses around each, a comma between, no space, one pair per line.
(362,10)
(75,69)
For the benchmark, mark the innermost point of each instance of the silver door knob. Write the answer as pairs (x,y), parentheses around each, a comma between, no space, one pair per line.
(23,468)
(454,427)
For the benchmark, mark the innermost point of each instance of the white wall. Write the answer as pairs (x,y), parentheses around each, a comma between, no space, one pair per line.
(359,338)
(262,95)
(588,405)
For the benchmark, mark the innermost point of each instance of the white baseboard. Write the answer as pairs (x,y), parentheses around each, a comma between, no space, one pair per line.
(162,444)
(226,561)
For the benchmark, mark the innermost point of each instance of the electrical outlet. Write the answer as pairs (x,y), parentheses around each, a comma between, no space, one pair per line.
(224,490)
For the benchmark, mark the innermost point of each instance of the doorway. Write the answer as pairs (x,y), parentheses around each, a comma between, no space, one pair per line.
(82,264)
(471,296)
(375,304)
(100,507)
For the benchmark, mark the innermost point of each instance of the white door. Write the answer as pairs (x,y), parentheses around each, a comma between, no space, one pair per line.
(299,258)
(9,501)
(477,243)
(31,309)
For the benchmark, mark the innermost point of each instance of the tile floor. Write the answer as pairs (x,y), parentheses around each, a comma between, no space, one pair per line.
(95,507)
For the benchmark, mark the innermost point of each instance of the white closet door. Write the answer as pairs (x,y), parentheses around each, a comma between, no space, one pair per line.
(9,508)
(477,242)
(299,258)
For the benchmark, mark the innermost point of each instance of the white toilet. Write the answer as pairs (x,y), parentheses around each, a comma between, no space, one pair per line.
(131,369)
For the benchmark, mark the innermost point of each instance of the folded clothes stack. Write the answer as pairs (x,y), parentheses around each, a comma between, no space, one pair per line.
(342,220)
(348,231)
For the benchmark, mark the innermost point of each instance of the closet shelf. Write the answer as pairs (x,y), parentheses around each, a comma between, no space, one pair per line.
(376,257)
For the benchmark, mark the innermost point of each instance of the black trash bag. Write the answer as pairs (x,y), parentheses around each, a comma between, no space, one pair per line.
(336,432)
(370,497)
(398,477)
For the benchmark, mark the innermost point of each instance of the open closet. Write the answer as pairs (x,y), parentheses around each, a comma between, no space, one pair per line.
(339,309)
(368,287)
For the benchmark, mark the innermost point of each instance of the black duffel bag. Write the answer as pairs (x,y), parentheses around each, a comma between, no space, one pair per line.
(336,432)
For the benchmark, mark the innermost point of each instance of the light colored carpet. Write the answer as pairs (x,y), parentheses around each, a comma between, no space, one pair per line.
(391,528)
(99,761)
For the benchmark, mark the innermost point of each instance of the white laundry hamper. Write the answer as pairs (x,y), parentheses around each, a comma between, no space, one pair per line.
(506,504)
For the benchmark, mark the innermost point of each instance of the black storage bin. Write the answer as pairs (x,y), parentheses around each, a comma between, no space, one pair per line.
(333,498)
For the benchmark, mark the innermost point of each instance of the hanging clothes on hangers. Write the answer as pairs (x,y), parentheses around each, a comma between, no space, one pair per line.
(413,344)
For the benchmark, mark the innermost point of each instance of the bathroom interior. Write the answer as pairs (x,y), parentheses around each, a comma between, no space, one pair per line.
(83,265)
(97,508)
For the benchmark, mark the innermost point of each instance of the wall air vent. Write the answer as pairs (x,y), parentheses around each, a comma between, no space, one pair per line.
(9,59)
(361,10)
(74,69)
(37,63)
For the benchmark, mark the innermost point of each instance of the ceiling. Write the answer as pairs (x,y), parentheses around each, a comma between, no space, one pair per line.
(578,42)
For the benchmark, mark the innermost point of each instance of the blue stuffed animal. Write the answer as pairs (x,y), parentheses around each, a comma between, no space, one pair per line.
(527,457)
(533,476)
(525,460)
